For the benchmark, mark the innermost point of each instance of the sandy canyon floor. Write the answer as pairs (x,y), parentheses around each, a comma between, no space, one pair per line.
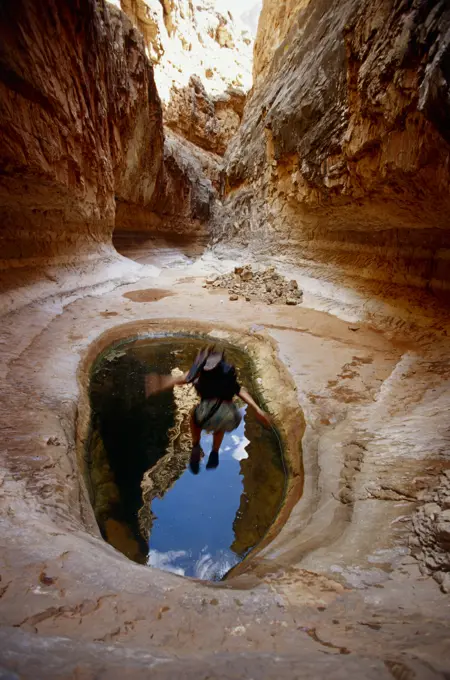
(336,593)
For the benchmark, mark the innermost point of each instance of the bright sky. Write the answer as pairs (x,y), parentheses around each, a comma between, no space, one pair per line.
(240,7)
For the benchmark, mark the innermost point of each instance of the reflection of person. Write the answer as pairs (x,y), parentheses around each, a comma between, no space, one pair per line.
(216,383)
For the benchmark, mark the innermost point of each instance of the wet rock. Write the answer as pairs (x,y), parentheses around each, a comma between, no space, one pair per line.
(233,298)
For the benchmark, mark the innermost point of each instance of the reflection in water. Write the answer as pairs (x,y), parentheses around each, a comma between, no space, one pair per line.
(197,514)
(147,502)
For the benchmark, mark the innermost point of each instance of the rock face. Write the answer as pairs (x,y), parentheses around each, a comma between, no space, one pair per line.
(202,55)
(185,194)
(341,164)
(81,124)
(83,148)
(340,167)
(209,122)
(431,544)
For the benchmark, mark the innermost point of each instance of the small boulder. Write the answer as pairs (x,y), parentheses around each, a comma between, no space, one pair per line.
(445,585)
(233,298)
(431,510)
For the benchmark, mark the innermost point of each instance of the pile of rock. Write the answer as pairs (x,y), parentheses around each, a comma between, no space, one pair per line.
(264,285)
(431,543)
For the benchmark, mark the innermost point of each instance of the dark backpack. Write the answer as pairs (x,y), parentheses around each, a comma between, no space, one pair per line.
(219,383)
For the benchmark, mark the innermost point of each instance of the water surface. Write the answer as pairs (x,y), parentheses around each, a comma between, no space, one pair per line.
(147,502)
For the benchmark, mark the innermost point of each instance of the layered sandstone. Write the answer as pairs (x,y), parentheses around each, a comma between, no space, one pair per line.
(340,167)
(81,126)
(207,121)
(185,194)
(341,164)
(202,55)
(84,151)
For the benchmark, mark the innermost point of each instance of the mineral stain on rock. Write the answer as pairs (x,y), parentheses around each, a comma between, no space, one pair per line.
(149,295)
(147,503)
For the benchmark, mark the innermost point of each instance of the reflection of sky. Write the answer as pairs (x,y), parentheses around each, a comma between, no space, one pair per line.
(193,529)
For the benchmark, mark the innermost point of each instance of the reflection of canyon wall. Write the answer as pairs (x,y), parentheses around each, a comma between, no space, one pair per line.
(263,485)
(169,468)
(342,161)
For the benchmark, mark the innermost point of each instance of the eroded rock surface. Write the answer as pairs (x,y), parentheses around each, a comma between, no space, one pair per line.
(341,164)
(340,168)
(202,54)
(207,121)
(81,125)
(431,545)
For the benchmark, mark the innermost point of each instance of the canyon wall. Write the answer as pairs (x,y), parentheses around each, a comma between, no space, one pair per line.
(202,59)
(83,149)
(81,126)
(341,164)
(202,56)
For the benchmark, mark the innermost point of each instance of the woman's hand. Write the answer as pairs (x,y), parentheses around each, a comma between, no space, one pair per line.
(263,418)
(155,383)
(261,415)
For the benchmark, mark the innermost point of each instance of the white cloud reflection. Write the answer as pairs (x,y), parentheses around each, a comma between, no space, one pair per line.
(207,567)
(165,561)
(210,568)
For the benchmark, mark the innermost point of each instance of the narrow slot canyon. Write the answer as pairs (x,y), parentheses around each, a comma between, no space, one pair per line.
(272,178)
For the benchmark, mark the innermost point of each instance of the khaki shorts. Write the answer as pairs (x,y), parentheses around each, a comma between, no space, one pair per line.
(212,417)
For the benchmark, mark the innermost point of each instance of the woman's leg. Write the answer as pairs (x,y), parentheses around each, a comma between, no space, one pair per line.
(213,460)
(217,440)
(196,453)
(196,431)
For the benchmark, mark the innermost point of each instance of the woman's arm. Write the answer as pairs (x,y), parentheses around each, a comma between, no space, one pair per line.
(155,383)
(260,414)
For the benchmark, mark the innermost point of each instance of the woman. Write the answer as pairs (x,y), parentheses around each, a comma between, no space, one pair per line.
(216,384)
